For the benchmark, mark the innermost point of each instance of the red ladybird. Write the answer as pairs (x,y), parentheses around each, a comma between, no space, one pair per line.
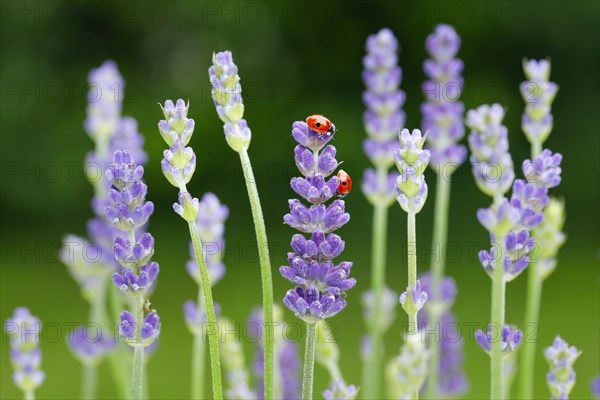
(345,185)
(320,124)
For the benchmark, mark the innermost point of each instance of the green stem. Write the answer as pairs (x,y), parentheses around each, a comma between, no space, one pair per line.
(309,361)
(438,264)
(89,385)
(29,395)
(372,369)
(412,272)
(137,377)
(498,309)
(265,269)
(213,343)
(412,263)
(532,313)
(198,356)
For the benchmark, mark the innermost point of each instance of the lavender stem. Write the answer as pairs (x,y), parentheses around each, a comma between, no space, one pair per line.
(309,361)
(215,362)
(438,264)
(412,264)
(138,352)
(265,269)
(497,313)
(198,356)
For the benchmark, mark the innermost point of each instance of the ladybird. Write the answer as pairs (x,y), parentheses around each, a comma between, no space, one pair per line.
(320,124)
(345,185)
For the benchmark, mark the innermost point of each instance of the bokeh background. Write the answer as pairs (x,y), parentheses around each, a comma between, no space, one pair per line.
(295,59)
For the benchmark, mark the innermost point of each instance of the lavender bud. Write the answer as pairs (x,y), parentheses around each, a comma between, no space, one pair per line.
(338,390)
(90,351)
(411,161)
(499,218)
(561,378)
(407,372)
(176,126)
(544,170)
(538,93)
(510,340)
(549,237)
(23,330)
(413,299)
(187,208)
(179,164)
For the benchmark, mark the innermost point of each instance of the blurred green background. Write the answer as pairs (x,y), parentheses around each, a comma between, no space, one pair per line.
(295,59)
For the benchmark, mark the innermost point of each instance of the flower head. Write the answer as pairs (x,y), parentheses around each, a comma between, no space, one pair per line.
(510,338)
(442,113)
(561,357)
(491,161)
(544,170)
(411,161)
(23,329)
(538,93)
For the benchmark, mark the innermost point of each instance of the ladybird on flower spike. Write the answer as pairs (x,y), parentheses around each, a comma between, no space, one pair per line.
(320,124)
(345,185)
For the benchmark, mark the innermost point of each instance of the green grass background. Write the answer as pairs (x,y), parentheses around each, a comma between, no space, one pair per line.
(295,58)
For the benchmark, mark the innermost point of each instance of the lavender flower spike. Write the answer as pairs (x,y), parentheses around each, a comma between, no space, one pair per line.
(128,212)
(595,386)
(384,117)
(411,161)
(227,96)
(538,93)
(442,113)
(510,339)
(320,284)
(23,330)
(491,161)
(105,101)
(561,378)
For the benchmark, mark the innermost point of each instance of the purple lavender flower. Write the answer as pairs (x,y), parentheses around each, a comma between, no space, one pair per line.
(90,346)
(389,300)
(561,378)
(511,338)
(227,96)
(452,380)
(413,299)
(321,283)
(595,387)
(411,161)
(530,201)
(518,246)
(338,390)
(544,170)
(105,100)
(129,211)
(492,163)
(442,113)
(538,93)
(500,218)
(23,330)
(384,117)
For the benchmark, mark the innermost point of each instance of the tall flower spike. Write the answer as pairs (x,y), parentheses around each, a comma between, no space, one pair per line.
(538,93)
(442,112)
(561,378)
(23,330)
(105,100)
(491,161)
(321,284)
(411,161)
(227,96)
(130,211)
(178,166)
(384,117)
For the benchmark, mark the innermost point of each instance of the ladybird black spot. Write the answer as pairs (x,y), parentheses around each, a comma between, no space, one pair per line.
(318,124)
(344,183)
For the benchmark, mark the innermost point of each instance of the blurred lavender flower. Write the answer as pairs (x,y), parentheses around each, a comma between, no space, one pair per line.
(549,237)
(389,301)
(511,338)
(321,284)
(517,247)
(407,372)
(90,350)
(338,390)
(595,387)
(328,356)
(538,93)
(452,380)
(561,378)
(287,359)
(105,100)
(544,170)
(236,374)
(442,113)
(384,117)
(491,161)
(23,330)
